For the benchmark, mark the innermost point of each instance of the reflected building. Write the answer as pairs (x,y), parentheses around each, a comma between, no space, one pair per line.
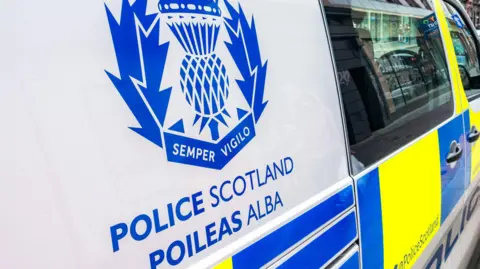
(386,69)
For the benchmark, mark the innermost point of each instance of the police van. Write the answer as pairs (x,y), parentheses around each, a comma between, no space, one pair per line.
(239,134)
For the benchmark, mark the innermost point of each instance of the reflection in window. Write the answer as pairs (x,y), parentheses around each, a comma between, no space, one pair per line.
(466,52)
(392,72)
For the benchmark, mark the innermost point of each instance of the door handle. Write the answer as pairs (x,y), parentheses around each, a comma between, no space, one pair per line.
(455,153)
(473,135)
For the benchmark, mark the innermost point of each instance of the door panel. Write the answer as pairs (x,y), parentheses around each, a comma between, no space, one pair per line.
(417,188)
(409,196)
(404,116)
(463,59)
(466,51)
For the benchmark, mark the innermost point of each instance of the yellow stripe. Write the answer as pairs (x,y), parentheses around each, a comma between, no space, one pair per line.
(226,264)
(458,91)
(475,157)
(410,189)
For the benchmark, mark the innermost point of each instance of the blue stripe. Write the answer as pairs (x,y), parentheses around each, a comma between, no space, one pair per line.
(352,263)
(326,246)
(453,179)
(275,243)
(468,149)
(370,216)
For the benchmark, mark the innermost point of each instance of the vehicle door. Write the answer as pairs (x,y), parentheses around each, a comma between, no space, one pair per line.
(466,52)
(459,234)
(404,120)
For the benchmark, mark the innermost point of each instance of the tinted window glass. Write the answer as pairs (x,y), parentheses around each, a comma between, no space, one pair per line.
(392,71)
(466,51)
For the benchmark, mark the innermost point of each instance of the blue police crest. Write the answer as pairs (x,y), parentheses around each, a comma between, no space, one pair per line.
(212,130)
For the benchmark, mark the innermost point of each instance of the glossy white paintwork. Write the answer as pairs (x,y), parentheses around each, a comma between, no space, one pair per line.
(70,168)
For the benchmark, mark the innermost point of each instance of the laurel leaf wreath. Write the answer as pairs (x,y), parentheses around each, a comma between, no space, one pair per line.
(245,51)
(141,66)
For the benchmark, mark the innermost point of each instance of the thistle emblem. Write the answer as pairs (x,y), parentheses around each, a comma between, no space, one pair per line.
(204,78)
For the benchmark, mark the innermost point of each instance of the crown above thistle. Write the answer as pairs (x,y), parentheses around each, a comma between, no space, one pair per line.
(203,7)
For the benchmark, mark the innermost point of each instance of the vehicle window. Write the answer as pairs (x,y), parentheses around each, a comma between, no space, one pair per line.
(466,52)
(392,72)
